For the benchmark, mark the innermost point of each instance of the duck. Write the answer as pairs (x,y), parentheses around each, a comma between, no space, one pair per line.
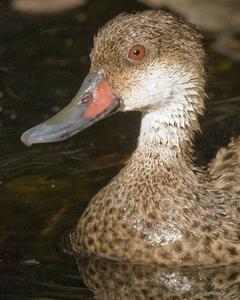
(161,208)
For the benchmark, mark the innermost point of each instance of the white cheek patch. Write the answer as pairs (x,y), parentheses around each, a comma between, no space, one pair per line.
(149,89)
(171,99)
(159,85)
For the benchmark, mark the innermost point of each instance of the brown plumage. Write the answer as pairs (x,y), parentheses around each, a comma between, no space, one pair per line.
(225,167)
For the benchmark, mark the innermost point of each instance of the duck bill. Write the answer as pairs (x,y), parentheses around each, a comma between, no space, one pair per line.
(94,101)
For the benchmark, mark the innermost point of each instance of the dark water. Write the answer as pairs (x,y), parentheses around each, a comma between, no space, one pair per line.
(44,189)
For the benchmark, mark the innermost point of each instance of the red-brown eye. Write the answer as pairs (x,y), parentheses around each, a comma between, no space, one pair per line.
(137,52)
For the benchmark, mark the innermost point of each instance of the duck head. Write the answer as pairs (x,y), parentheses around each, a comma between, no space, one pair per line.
(148,61)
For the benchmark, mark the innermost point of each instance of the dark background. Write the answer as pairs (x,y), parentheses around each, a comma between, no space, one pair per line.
(44,55)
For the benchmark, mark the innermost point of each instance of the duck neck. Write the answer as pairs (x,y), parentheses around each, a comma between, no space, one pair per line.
(167,132)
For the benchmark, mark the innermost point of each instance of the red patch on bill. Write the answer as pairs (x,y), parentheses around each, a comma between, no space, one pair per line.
(102,100)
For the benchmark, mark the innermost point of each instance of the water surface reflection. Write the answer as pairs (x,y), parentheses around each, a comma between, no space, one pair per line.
(111,280)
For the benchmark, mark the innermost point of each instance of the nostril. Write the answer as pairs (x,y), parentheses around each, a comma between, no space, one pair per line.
(86,98)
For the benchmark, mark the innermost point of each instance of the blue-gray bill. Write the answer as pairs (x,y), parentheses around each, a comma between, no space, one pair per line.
(93,102)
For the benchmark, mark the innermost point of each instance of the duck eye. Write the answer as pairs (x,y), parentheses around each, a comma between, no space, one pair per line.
(137,52)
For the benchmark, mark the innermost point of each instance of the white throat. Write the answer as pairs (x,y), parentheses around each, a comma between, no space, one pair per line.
(171,122)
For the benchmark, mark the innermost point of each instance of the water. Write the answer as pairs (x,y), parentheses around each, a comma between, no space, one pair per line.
(44,189)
